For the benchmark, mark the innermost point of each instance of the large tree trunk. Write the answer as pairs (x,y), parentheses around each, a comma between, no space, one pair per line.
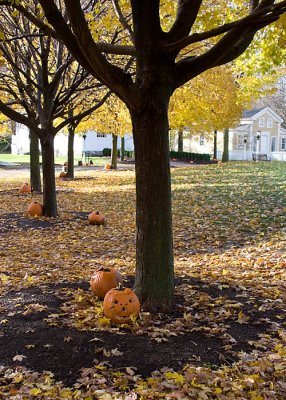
(70,170)
(114,152)
(35,174)
(49,184)
(225,154)
(122,148)
(154,280)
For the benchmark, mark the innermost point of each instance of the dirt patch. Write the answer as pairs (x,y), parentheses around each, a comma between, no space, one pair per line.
(28,340)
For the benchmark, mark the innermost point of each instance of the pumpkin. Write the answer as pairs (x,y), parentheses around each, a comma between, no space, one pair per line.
(120,304)
(25,188)
(103,280)
(94,218)
(107,166)
(35,209)
(62,174)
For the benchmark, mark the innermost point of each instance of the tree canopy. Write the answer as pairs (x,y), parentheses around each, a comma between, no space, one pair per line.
(165,44)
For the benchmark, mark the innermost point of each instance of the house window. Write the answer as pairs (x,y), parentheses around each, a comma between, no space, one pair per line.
(269,122)
(261,123)
(283,143)
(202,140)
(273,144)
(100,135)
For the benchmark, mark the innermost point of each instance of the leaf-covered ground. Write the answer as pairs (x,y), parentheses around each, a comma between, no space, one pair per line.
(226,337)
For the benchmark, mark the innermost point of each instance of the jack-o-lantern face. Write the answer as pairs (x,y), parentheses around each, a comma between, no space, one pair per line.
(119,304)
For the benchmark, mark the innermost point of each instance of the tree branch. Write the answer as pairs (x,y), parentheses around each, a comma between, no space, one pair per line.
(229,47)
(82,115)
(122,19)
(259,15)
(81,44)
(18,117)
(187,12)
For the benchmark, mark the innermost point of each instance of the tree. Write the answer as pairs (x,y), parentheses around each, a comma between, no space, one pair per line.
(276,100)
(210,102)
(112,117)
(225,153)
(201,36)
(41,81)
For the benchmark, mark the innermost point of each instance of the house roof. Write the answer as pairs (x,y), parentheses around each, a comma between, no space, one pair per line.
(250,113)
(257,112)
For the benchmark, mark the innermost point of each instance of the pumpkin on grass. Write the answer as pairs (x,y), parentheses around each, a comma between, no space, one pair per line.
(25,188)
(35,209)
(63,174)
(108,166)
(103,280)
(95,218)
(120,305)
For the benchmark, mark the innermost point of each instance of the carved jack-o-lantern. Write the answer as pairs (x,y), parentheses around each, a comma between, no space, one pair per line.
(25,188)
(103,280)
(35,209)
(94,218)
(120,304)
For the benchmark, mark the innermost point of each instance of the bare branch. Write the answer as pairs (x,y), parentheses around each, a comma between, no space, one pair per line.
(79,117)
(122,19)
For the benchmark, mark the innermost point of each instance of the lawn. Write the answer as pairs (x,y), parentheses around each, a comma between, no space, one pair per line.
(225,338)
(25,159)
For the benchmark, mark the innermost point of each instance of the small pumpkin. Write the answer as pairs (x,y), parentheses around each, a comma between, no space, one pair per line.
(103,280)
(120,304)
(25,188)
(63,174)
(95,218)
(107,166)
(35,209)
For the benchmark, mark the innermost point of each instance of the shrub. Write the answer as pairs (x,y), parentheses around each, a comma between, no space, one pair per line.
(184,156)
(106,152)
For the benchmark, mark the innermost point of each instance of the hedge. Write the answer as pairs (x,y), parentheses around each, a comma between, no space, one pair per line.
(184,156)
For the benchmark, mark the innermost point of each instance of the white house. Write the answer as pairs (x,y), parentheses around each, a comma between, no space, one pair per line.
(95,142)
(259,135)
(89,142)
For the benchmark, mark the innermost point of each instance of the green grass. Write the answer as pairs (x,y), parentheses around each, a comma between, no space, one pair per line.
(25,159)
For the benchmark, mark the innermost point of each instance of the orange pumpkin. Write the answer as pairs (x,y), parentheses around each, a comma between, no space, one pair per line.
(62,174)
(25,188)
(103,280)
(107,166)
(94,218)
(120,304)
(35,209)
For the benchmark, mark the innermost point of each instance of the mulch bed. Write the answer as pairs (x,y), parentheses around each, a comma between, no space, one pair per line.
(65,351)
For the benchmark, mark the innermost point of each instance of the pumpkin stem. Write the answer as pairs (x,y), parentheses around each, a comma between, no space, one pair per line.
(104,269)
(120,287)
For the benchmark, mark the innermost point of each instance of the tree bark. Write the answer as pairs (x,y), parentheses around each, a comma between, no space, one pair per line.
(180,142)
(225,154)
(154,281)
(70,169)
(49,184)
(114,152)
(122,148)
(35,174)
(215,145)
